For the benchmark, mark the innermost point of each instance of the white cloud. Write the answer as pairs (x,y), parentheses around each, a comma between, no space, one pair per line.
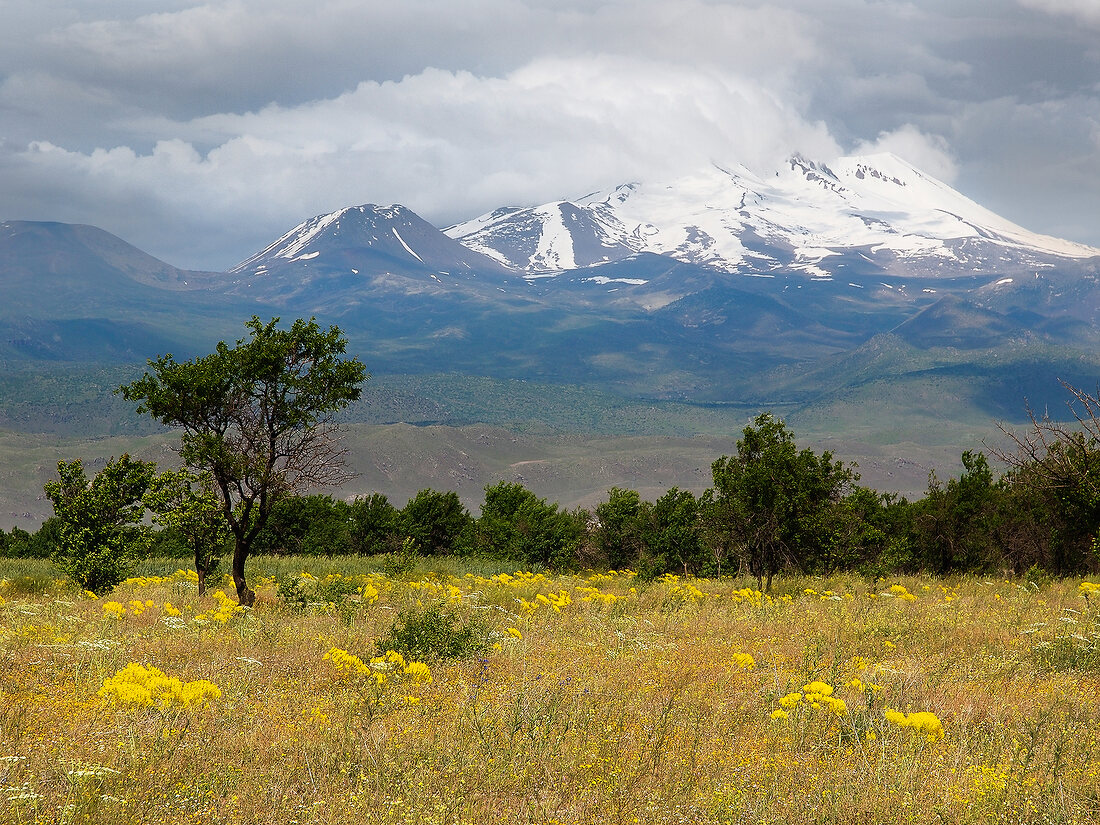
(929,153)
(1084,11)
(451,144)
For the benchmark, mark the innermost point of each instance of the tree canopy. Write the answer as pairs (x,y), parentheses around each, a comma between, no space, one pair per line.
(100,536)
(259,416)
(774,500)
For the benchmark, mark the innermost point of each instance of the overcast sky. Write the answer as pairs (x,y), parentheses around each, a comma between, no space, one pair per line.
(202,131)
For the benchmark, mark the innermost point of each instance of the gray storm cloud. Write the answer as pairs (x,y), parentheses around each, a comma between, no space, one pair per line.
(200,131)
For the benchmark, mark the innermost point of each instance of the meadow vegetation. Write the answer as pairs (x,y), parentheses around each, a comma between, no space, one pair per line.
(447,694)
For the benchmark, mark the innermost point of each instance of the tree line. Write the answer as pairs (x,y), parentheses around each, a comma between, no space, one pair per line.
(259,432)
(772,508)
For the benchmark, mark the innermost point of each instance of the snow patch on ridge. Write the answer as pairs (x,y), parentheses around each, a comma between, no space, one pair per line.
(408,248)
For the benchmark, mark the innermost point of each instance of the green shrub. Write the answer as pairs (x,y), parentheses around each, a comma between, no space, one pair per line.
(434,632)
(300,590)
(402,562)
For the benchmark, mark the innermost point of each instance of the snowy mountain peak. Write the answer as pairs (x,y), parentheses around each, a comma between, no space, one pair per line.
(296,244)
(877,206)
(357,245)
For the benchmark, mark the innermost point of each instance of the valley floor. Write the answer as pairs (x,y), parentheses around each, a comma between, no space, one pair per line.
(596,698)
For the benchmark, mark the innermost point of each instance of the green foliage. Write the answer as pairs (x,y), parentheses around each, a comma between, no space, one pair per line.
(517,525)
(187,507)
(619,532)
(17,544)
(100,536)
(438,522)
(402,562)
(258,416)
(433,633)
(673,537)
(955,523)
(774,501)
(374,525)
(313,525)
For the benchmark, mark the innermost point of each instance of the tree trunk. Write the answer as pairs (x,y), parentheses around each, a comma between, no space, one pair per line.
(245,596)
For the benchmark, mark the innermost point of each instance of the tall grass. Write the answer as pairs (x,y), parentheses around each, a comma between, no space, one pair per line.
(594,699)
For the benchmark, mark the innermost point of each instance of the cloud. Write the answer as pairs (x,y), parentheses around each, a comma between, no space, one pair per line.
(201,130)
(1083,11)
(930,153)
(448,144)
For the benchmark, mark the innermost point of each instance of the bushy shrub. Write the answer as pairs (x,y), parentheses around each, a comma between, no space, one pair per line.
(403,561)
(101,536)
(301,590)
(434,632)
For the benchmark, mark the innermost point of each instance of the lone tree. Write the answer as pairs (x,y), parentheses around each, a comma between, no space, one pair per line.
(259,417)
(773,500)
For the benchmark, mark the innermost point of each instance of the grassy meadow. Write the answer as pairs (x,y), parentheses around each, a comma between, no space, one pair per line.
(594,699)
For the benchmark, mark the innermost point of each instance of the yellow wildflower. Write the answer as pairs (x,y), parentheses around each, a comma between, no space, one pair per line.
(419,672)
(922,722)
(137,685)
(790,700)
(744,661)
(346,664)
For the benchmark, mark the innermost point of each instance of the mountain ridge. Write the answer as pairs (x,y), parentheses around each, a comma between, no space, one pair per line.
(738,222)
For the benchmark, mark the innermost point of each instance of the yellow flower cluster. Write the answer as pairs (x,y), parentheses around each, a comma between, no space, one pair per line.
(381,668)
(139,686)
(368,593)
(1087,589)
(921,722)
(562,599)
(144,581)
(744,661)
(682,589)
(903,594)
(593,594)
(344,663)
(391,666)
(750,597)
(438,590)
(816,695)
(116,610)
(521,578)
(221,614)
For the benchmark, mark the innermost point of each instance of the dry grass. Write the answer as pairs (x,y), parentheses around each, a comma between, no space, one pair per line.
(622,704)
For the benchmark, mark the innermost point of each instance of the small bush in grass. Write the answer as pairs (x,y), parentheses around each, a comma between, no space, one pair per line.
(434,632)
(303,589)
(402,562)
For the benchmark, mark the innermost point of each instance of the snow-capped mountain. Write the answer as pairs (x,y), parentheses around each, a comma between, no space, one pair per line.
(358,244)
(801,219)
